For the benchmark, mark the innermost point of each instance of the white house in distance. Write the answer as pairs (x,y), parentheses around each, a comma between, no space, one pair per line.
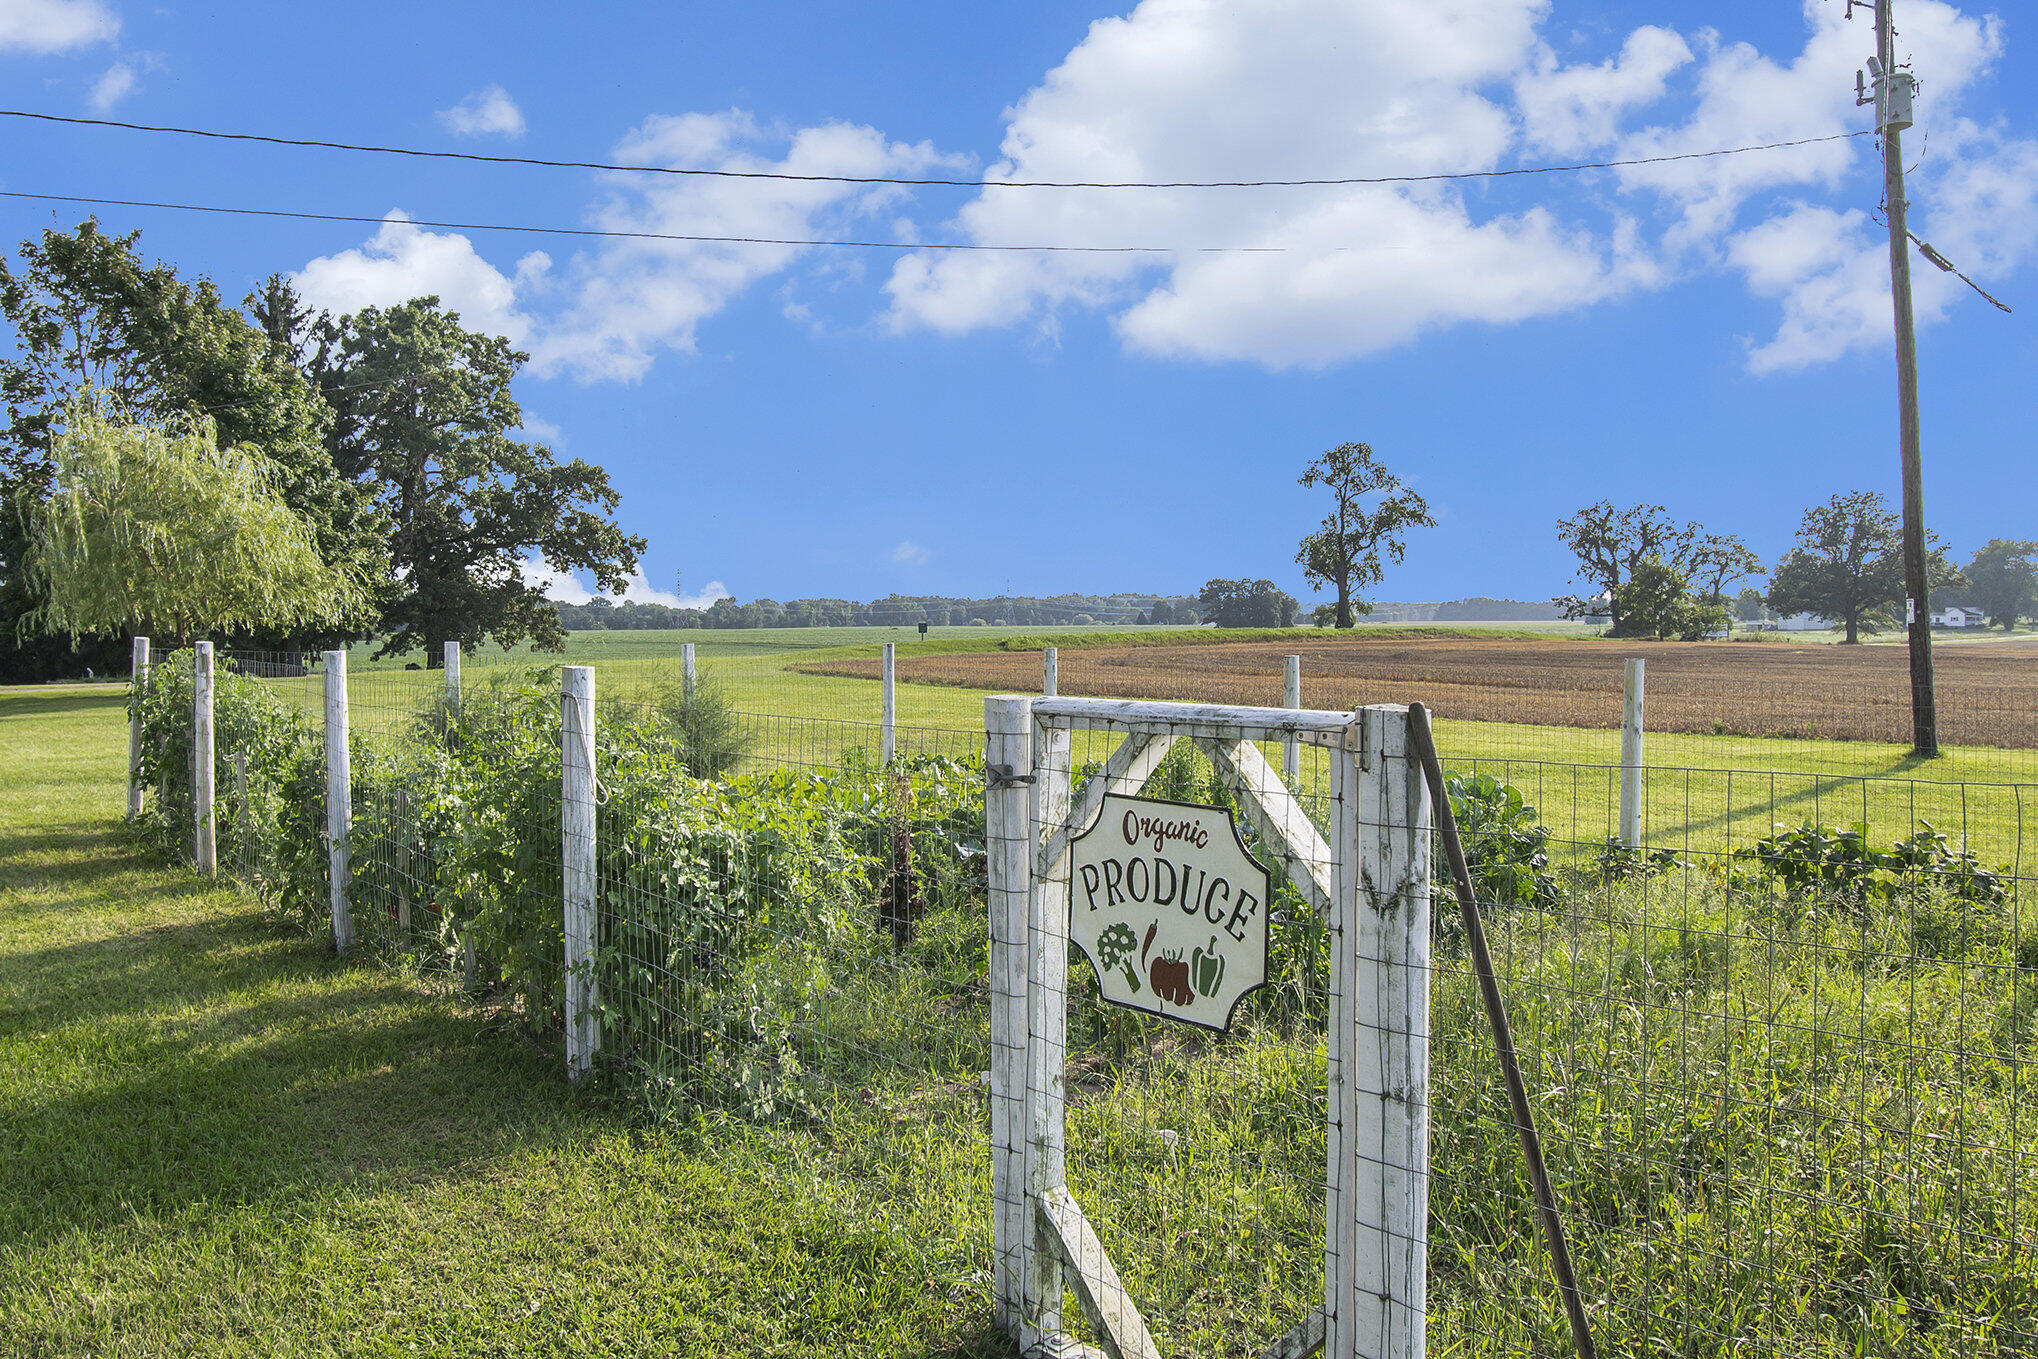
(1804,622)
(1959,616)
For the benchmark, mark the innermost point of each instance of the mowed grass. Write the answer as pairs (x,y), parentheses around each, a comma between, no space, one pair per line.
(217,1139)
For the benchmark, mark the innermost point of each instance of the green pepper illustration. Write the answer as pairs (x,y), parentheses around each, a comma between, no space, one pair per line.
(1208,969)
(1114,950)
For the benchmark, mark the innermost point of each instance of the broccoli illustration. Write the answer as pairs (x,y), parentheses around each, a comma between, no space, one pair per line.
(1115,948)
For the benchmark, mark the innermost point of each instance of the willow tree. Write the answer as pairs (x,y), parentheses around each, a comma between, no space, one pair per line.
(157,529)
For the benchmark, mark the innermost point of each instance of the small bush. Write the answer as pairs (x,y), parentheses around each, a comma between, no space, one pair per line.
(702,724)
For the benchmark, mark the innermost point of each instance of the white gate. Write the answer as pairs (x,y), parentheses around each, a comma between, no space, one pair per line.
(1370,881)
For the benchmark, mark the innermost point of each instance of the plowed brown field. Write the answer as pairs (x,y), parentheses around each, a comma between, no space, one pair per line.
(1988,691)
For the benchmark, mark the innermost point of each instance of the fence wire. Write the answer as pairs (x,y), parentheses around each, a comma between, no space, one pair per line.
(1781,1048)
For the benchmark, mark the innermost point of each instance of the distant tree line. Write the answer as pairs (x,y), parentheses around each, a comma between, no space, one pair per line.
(891,611)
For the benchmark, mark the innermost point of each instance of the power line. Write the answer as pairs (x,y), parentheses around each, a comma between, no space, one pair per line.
(650,235)
(928,182)
(1946,266)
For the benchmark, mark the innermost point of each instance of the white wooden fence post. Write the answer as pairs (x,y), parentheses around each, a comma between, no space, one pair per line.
(686,671)
(888,738)
(1047,948)
(1009,835)
(1376,1246)
(1291,698)
(339,799)
(134,727)
(1050,673)
(576,821)
(205,836)
(452,654)
(1631,757)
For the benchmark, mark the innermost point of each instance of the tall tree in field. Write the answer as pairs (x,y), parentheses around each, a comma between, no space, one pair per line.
(1611,543)
(88,312)
(1344,553)
(157,530)
(423,413)
(1848,565)
(2003,579)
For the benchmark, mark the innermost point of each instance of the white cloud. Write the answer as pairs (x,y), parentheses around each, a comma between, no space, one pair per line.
(1830,269)
(488,112)
(47,26)
(909,553)
(634,299)
(1745,98)
(402,261)
(1309,276)
(112,87)
(1571,109)
(1832,278)
(624,303)
(537,428)
(568,588)
(1193,89)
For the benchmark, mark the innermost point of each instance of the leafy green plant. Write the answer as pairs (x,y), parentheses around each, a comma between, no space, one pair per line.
(1618,861)
(1841,863)
(1506,848)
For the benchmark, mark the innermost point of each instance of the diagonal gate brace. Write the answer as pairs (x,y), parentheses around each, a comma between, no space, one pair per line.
(1095,1281)
(1278,816)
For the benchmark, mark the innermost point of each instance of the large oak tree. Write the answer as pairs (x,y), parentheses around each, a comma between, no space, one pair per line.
(424,415)
(1848,565)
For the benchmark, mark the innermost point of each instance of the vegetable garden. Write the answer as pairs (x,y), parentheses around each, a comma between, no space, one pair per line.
(1784,1072)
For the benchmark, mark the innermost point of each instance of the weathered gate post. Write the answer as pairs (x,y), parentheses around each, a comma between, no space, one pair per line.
(134,727)
(1631,756)
(1376,1242)
(1009,838)
(205,839)
(1047,932)
(577,846)
(1050,672)
(339,799)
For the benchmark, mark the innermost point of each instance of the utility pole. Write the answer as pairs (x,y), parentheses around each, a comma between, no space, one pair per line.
(1892,100)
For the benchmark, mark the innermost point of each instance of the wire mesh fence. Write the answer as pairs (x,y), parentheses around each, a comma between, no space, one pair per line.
(1781,1042)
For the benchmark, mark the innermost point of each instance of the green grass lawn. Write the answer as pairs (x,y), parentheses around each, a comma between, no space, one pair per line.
(216,1139)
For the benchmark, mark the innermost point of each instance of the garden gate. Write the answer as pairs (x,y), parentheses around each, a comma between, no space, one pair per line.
(1369,879)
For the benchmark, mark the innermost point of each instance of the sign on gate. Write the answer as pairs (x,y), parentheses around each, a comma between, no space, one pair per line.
(1170,908)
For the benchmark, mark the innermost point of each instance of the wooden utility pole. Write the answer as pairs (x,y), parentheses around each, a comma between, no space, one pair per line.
(1892,101)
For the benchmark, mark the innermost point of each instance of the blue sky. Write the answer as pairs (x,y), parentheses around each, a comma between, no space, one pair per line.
(1713,335)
